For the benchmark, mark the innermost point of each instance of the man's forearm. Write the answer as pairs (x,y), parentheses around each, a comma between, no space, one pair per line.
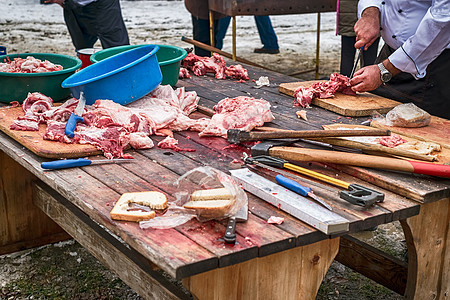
(390,67)
(371,12)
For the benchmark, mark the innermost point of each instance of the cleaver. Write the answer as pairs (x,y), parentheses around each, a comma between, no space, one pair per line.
(240,216)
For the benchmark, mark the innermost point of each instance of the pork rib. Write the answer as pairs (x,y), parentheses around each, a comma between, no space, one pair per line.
(242,112)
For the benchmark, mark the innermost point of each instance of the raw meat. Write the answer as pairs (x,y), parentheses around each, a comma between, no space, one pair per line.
(184,73)
(391,140)
(171,143)
(34,106)
(236,71)
(140,140)
(28,65)
(238,113)
(110,126)
(324,89)
(25,125)
(215,64)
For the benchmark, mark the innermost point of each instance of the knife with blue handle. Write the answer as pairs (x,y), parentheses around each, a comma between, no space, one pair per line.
(75,117)
(300,189)
(80,162)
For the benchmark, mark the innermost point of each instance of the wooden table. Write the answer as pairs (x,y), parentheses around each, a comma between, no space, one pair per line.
(286,261)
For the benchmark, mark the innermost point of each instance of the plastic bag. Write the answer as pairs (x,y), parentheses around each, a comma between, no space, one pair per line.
(202,178)
(407,115)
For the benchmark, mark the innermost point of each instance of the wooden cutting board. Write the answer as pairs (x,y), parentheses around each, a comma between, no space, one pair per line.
(443,156)
(360,105)
(33,140)
(438,131)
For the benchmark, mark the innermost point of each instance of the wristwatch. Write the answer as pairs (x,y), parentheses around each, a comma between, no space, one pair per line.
(385,74)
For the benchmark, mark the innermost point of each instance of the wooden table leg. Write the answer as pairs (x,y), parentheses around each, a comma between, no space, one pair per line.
(428,239)
(22,225)
(292,274)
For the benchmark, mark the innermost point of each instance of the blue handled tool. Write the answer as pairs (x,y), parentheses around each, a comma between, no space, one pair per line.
(75,117)
(80,162)
(300,189)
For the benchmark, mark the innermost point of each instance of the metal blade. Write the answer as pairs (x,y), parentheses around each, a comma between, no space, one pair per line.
(81,104)
(318,199)
(356,62)
(111,161)
(242,213)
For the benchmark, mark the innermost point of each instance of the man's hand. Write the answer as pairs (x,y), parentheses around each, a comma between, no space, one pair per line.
(366,79)
(59,2)
(367,28)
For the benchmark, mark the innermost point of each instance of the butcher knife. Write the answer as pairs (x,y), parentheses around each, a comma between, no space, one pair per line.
(230,231)
(80,162)
(358,58)
(75,117)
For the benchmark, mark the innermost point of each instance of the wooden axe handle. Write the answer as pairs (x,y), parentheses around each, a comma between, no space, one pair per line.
(361,160)
(374,148)
(260,135)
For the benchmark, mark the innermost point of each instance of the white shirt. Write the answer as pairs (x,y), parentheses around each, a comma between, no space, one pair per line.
(419,30)
(83,2)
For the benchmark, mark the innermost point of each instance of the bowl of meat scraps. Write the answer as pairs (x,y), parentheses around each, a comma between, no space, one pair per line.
(122,78)
(35,72)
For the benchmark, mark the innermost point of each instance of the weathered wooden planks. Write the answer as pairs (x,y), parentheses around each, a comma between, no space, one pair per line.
(292,274)
(427,237)
(22,225)
(131,267)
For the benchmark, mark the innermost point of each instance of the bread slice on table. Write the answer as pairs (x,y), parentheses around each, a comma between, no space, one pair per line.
(124,212)
(212,203)
(211,194)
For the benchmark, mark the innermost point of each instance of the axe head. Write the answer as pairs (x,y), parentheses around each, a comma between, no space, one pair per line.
(263,147)
(236,136)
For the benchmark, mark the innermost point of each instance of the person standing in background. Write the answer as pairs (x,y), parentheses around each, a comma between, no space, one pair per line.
(347,15)
(266,34)
(414,64)
(92,20)
(199,10)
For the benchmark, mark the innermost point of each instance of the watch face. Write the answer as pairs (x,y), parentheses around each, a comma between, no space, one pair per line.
(385,77)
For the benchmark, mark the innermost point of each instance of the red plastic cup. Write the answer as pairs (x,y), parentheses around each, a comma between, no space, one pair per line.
(85,56)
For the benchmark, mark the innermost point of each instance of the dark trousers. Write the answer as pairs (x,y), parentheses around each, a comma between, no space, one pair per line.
(101,20)
(201,33)
(348,52)
(265,29)
(431,93)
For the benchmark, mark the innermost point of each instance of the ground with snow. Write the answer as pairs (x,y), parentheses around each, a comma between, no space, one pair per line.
(28,26)
(66,270)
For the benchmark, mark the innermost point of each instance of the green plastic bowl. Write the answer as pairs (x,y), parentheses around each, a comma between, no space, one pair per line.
(169,59)
(16,86)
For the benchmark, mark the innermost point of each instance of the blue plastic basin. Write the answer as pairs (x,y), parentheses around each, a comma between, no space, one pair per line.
(169,58)
(122,78)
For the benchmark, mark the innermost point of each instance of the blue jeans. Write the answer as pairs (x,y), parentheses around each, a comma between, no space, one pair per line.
(266,33)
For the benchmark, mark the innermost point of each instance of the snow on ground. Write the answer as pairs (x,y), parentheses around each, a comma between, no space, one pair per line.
(28,26)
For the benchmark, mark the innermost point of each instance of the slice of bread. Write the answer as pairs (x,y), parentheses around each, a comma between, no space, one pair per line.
(211,208)
(211,194)
(122,210)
